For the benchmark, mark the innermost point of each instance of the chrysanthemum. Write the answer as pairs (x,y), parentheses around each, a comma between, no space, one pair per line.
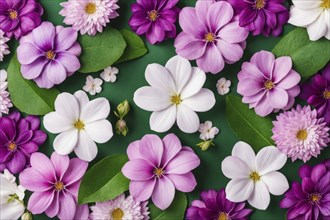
(300,134)
(5,102)
(89,16)
(120,208)
(3,46)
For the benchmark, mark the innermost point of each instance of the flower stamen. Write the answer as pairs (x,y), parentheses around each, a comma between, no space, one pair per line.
(59,186)
(12,146)
(90,8)
(209,37)
(255,176)
(12,14)
(50,55)
(269,85)
(259,4)
(302,135)
(176,99)
(153,15)
(325,4)
(326,94)
(158,172)
(79,125)
(314,198)
(223,216)
(117,214)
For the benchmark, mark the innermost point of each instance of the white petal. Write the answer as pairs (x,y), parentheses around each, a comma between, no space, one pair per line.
(235,168)
(203,101)
(158,77)
(269,159)
(67,106)
(100,131)
(82,98)
(260,197)
(245,152)
(86,148)
(151,99)
(162,121)
(96,109)
(317,29)
(302,18)
(307,4)
(276,182)
(12,210)
(7,189)
(56,123)
(187,119)
(194,84)
(65,142)
(239,190)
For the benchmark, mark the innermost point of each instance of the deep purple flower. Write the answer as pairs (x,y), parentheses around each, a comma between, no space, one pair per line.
(261,16)
(214,206)
(19,138)
(309,200)
(154,18)
(317,93)
(19,17)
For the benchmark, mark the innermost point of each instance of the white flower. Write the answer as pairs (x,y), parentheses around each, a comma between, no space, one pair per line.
(109,74)
(93,86)
(5,102)
(11,197)
(3,46)
(175,94)
(313,15)
(254,177)
(223,86)
(80,123)
(207,131)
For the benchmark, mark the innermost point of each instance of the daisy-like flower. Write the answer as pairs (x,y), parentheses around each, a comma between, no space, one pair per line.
(300,134)
(109,74)
(5,102)
(3,46)
(252,176)
(80,123)
(175,94)
(223,86)
(93,86)
(207,131)
(89,16)
(313,15)
(120,208)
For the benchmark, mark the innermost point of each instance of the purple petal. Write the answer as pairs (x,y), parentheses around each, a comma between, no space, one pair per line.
(4,154)
(69,61)
(54,207)
(219,14)
(7,126)
(43,165)
(317,172)
(44,36)
(279,98)
(142,190)
(65,38)
(163,193)
(183,162)
(290,80)
(282,67)
(183,182)
(29,147)
(40,201)
(305,171)
(187,46)
(307,185)
(27,53)
(259,23)
(212,60)
(142,29)
(24,137)
(60,163)
(138,169)
(323,185)
(233,33)
(231,52)
(138,18)
(33,70)
(169,15)
(82,212)
(263,107)
(133,151)
(55,72)
(16,163)
(202,8)
(264,60)
(39,137)
(67,206)
(34,122)
(247,16)
(196,28)
(33,181)
(249,87)
(172,147)
(155,34)
(151,148)
(75,171)
(75,49)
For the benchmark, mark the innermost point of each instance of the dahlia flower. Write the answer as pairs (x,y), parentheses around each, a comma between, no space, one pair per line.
(3,46)
(5,102)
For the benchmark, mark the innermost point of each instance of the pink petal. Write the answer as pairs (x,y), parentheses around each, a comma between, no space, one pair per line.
(69,61)
(249,87)
(142,190)
(60,163)
(183,182)
(138,169)
(189,47)
(233,33)
(231,52)
(34,69)
(133,151)
(202,8)
(186,16)
(218,15)
(263,106)
(67,206)
(151,147)
(44,36)
(264,61)
(43,165)
(54,207)
(279,98)
(164,193)
(27,53)
(33,181)
(290,80)
(75,171)
(65,38)
(55,72)
(82,212)
(184,162)
(172,147)
(40,201)
(282,67)
(212,60)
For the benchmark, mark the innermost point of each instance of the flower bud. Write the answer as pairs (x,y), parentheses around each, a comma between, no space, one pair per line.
(121,127)
(204,145)
(27,216)
(122,109)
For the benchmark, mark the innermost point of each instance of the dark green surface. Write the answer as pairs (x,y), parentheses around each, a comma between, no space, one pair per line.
(131,77)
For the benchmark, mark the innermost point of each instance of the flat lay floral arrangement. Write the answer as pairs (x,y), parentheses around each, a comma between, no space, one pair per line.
(165,109)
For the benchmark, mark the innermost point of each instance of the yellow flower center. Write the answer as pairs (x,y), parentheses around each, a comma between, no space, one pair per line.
(209,37)
(12,14)
(269,84)
(259,4)
(59,186)
(90,8)
(153,15)
(117,214)
(326,94)
(158,172)
(302,135)
(325,4)
(79,125)
(314,198)
(50,55)
(176,99)
(12,146)
(254,176)
(223,216)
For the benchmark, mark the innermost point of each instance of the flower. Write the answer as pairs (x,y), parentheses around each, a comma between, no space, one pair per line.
(89,16)
(268,84)
(80,123)
(120,208)
(54,183)
(317,93)
(3,46)
(11,197)
(214,205)
(19,138)
(252,176)
(265,17)
(93,86)
(157,167)
(19,17)
(27,216)
(210,35)
(109,74)
(5,102)
(300,134)
(175,94)
(313,15)
(223,86)
(156,19)
(207,131)
(49,54)
(310,198)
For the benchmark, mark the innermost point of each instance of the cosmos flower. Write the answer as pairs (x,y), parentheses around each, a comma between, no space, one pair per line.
(223,86)
(109,74)
(92,85)
(5,102)
(3,46)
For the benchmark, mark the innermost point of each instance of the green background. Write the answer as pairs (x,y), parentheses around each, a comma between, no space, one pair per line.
(131,77)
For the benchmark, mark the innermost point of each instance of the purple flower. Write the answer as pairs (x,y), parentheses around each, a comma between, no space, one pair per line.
(157,167)
(210,35)
(54,183)
(268,84)
(261,16)
(49,54)
(19,138)
(154,18)
(19,17)
(214,206)
(309,200)
(317,93)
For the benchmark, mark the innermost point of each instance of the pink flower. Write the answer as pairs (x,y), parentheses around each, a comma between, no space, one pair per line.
(55,183)
(210,35)
(268,84)
(157,167)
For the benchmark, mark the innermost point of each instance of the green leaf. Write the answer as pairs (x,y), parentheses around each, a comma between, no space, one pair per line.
(249,127)
(104,181)
(101,50)
(308,56)
(175,211)
(26,95)
(135,46)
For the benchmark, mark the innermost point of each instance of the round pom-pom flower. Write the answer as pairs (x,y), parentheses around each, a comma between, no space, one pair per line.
(4,50)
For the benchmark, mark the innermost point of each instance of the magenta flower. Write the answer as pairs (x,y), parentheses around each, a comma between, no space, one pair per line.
(210,35)
(157,167)
(19,138)
(310,199)
(268,84)
(317,93)
(156,19)
(19,17)
(49,54)
(54,183)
